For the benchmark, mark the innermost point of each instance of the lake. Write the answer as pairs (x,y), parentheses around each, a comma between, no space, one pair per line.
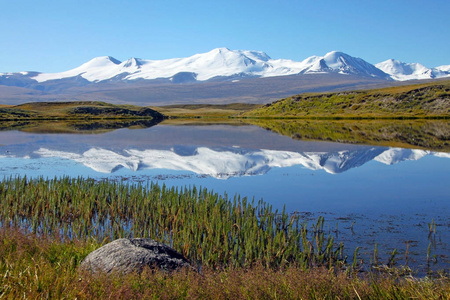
(367,194)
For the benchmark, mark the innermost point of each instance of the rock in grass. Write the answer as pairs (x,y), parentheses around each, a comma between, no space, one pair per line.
(133,255)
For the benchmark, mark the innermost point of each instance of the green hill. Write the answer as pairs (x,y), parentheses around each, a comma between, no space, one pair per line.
(412,101)
(75,110)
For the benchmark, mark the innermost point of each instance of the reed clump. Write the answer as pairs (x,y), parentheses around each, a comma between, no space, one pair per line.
(209,229)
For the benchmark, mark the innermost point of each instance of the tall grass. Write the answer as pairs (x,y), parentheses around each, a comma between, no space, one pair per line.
(202,225)
(43,267)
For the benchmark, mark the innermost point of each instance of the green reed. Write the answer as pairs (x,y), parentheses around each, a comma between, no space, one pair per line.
(206,227)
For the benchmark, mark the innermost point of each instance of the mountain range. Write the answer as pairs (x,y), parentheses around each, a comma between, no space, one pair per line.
(226,64)
(218,66)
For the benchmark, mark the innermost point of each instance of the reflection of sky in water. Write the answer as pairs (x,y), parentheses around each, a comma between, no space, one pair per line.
(389,203)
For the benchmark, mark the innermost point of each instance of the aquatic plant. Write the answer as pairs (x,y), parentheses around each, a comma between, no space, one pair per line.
(207,228)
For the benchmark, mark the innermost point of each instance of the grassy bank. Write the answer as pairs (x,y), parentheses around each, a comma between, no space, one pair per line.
(413,101)
(217,111)
(77,110)
(427,100)
(33,267)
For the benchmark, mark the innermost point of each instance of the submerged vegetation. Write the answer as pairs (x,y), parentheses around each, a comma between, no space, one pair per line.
(245,250)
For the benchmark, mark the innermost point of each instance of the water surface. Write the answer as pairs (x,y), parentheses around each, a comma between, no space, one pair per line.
(367,194)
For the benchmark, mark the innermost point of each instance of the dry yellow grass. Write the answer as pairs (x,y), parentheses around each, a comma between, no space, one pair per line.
(204,110)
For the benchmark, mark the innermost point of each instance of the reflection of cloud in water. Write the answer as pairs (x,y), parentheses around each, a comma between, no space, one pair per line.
(231,162)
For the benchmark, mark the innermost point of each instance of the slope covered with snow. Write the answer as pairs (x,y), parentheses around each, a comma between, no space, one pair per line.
(409,71)
(226,64)
(220,62)
(93,70)
(342,63)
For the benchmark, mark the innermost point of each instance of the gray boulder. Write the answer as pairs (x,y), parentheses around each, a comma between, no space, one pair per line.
(133,255)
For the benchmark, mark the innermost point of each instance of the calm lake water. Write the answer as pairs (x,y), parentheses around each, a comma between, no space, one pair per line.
(367,194)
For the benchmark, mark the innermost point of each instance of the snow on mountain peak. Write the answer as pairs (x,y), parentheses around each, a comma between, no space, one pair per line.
(445,68)
(99,62)
(227,64)
(132,63)
(339,62)
(97,69)
(334,56)
(404,71)
(409,71)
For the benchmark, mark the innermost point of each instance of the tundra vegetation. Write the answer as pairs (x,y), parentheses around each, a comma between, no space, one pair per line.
(241,249)
(76,110)
(430,100)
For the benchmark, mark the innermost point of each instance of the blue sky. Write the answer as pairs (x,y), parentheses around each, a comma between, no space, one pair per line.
(54,36)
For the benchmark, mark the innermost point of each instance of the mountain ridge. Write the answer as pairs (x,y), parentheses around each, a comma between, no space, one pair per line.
(401,71)
(225,64)
(217,77)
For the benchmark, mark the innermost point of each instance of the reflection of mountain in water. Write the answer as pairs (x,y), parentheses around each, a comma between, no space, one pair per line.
(230,162)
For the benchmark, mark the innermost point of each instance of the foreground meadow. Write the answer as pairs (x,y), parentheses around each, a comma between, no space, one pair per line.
(239,249)
(33,267)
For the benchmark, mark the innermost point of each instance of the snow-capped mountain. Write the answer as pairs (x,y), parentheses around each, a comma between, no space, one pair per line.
(226,163)
(218,63)
(221,64)
(338,62)
(409,71)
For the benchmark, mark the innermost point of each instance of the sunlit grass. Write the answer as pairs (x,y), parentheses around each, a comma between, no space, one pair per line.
(74,110)
(205,110)
(37,267)
(414,101)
